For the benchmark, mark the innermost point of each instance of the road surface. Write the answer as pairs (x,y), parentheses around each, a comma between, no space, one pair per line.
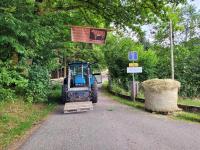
(113,126)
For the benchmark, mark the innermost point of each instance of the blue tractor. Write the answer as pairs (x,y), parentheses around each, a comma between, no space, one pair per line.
(81,83)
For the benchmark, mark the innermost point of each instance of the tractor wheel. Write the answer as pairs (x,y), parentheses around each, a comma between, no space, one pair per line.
(64,94)
(65,80)
(94,97)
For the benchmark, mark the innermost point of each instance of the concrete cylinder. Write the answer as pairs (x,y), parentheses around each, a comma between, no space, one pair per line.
(161,95)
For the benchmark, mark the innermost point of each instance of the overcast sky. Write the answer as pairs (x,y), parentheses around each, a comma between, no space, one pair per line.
(148,28)
(196,3)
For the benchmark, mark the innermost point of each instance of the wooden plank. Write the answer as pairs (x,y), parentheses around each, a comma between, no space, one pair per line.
(78,107)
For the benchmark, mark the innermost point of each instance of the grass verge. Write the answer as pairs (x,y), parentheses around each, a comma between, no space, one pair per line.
(126,102)
(191,117)
(122,100)
(17,116)
(189,102)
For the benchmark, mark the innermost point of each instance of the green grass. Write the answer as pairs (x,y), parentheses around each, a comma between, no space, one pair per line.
(122,100)
(17,116)
(192,117)
(127,102)
(55,94)
(189,102)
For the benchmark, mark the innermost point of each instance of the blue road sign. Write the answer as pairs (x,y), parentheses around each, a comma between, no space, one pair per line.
(132,56)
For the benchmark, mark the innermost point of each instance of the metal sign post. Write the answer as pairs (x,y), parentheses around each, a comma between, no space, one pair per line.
(133,56)
(133,87)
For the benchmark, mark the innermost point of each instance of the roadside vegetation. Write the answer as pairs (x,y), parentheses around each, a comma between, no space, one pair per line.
(185,101)
(155,62)
(154,56)
(191,117)
(17,116)
(181,115)
(121,100)
(35,40)
(190,102)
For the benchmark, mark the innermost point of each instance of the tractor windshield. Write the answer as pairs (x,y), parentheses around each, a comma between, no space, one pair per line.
(78,75)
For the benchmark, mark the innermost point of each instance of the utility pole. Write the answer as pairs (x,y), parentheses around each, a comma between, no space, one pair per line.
(172,50)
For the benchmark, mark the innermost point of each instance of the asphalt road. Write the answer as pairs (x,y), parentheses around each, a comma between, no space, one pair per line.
(113,126)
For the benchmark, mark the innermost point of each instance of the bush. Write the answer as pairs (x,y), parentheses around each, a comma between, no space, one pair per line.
(38,85)
(12,81)
(190,76)
(6,94)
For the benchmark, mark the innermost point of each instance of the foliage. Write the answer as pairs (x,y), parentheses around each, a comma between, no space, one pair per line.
(189,102)
(120,13)
(38,85)
(192,117)
(116,56)
(12,80)
(186,66)
(155,62)
(135,104)
(36,30)
(119,88)
(186,48)
(24,35)
(191,76)
(85,52)
(185,25)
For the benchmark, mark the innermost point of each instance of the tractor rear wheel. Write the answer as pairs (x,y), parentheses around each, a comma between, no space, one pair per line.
(64,98)
(94,96)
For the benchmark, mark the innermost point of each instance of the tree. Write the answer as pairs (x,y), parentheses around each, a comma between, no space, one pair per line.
(36,30)
(191,22)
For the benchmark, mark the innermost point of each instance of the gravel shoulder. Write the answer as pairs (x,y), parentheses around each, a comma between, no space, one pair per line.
(113,126)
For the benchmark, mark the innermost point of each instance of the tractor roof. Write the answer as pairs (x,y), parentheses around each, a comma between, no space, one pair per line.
(78,63)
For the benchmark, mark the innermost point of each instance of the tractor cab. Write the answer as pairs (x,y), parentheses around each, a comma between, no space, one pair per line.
(79,75)
(80,84)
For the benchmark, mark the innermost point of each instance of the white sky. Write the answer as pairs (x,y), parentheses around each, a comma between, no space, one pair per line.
(196,3)
(148,28)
